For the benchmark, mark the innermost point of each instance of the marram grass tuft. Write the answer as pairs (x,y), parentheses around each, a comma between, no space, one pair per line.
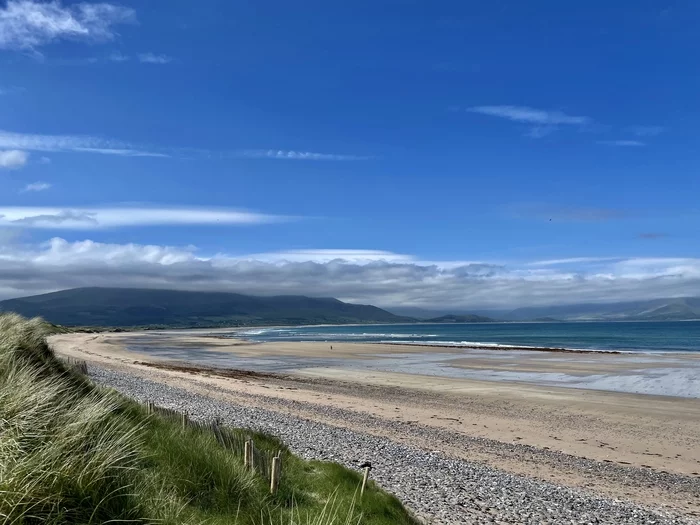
(73,453)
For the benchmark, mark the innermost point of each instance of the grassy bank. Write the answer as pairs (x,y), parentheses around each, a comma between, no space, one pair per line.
(74,453)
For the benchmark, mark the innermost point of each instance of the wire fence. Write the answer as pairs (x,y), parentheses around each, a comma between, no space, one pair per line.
(239,442)
(265,462)
(76,365)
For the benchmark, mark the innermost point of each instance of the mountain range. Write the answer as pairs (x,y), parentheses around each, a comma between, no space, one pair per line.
(680,309)
(467,318)
(132,307)
(676,309)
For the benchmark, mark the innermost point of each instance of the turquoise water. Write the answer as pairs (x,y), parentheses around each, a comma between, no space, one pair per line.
(627,336)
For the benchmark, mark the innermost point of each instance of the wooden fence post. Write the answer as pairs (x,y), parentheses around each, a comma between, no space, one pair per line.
(183,416)
(279,468)
(246,454)
(364,480)
(274,475)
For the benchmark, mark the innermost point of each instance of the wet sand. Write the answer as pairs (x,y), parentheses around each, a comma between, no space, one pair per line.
(673,374)
(660,433)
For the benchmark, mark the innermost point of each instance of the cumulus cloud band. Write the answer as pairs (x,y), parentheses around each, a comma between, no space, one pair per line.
(362,276)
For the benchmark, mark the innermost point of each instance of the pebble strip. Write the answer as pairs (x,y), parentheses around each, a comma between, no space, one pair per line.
(437,488)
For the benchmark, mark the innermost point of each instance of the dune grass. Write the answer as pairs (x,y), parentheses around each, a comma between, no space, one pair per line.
(71,452)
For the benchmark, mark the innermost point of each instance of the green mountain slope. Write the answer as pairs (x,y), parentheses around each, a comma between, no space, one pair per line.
(124,307)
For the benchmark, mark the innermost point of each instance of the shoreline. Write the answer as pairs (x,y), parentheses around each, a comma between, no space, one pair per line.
(469,340)
(478,391)
(444,476)
(471,346)
(631,447)
(440,344)
(507,348)
(238,334)
(668,374)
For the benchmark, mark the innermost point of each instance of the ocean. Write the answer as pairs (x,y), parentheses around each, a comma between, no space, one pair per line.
(656,357)
(605,336)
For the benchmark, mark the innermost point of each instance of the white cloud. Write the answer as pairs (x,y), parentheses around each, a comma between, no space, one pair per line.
(117,56)
(36,186)
(58,143)
(123,152)
(325,256)
(296,155)
(8,236)
(144,58)
(573,260)
(115,217)
(13,159)
(623,143)
(373,277)
(44,160)
(152,58)
(531,115)
(88,144)
(29,24)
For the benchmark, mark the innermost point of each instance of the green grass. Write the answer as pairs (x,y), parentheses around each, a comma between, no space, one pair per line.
(72,453)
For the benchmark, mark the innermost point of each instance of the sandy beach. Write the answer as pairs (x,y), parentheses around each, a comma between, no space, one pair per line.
(543,425)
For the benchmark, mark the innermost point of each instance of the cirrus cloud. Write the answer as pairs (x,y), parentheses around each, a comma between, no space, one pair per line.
(152,58)
(543,122)
(119,217)
(74,143)
(37,186)
(29,24)
(531,115)
(105,146)
(296,155)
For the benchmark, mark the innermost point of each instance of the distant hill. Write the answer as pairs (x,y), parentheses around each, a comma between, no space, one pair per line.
(129,307)
(424,315)
(415,312)
(469,318)
(680,309)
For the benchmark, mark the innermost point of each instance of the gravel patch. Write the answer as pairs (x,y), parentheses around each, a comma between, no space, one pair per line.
(618,473)
(440,489)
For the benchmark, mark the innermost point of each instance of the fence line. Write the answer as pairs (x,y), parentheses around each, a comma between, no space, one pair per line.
(262,462)
(76,365)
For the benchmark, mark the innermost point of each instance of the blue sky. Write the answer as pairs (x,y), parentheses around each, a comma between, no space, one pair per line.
(436,154)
